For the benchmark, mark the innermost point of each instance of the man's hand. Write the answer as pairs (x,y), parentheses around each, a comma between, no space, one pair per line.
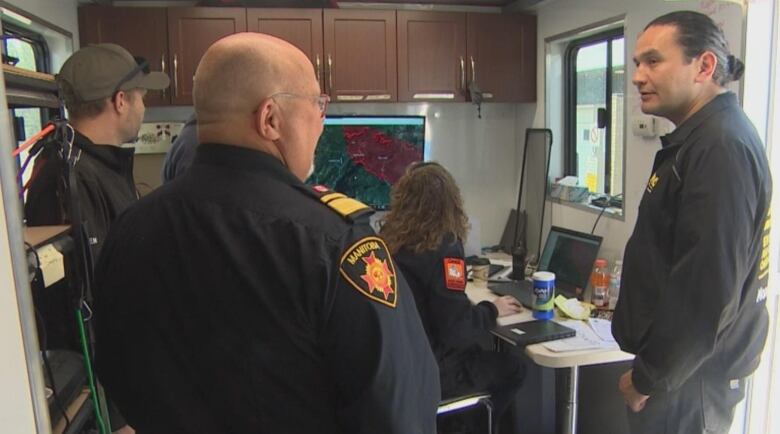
(507,305)
(635,400)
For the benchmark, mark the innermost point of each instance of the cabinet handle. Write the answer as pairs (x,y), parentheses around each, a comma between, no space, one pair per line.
(318,65)
(162,69)
(462,73)
(330,74)
(175,76)
(433,96)
(350,98)
(473,70)
(380,97)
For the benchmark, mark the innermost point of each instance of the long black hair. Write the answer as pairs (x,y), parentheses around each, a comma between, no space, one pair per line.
(697,33)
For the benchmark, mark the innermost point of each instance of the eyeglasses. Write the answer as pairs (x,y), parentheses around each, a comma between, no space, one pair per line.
(321,100)
(142,66)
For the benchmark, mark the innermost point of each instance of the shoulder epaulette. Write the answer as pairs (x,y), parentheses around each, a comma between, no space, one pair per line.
(350,209)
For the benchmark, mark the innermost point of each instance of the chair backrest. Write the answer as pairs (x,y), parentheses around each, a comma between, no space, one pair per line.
(533,187)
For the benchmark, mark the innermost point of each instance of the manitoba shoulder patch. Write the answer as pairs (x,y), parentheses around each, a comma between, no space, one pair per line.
(368,267)
(455,274)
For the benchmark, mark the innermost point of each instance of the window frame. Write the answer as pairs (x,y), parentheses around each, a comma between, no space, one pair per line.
(38,43)
(570,104)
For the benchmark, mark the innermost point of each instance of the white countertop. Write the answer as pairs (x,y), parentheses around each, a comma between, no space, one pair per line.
(477,291)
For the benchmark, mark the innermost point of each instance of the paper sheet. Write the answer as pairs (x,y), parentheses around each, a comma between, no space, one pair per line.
(585,339)
(603,328)
(52,264)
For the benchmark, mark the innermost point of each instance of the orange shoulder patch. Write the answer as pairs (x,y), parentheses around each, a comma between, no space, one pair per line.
(368,267)
(455,274)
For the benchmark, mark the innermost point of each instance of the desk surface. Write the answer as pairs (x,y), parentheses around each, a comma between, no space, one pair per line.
(477,291)
(38,235)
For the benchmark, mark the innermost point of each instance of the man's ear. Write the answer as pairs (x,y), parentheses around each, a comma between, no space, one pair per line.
(268,120)
(707,62)
(119,102)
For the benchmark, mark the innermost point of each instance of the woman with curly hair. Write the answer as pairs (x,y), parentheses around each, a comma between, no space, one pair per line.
(425,230)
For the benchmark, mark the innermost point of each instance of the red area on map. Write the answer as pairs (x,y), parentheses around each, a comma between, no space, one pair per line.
(384,157)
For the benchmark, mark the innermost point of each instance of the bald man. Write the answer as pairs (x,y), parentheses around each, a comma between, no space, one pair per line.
(237,299)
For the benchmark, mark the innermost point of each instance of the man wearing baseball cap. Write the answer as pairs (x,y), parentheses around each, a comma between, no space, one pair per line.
(103,87)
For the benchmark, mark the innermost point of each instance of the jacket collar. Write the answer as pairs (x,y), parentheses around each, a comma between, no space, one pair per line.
(684,130)
(239,158)
(117,158)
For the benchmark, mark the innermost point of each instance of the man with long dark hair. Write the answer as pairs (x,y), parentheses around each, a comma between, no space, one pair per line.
(692,301)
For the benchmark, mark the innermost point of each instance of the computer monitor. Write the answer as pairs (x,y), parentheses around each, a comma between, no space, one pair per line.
(570,255)
(363,156)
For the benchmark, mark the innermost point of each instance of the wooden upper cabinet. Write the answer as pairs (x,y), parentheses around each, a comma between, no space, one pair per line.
(300,27)
(191,30)
(502,56)
(431,56)
(360,55)
(118,25)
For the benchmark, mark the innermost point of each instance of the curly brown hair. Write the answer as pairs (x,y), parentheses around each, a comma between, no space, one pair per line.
(425,206)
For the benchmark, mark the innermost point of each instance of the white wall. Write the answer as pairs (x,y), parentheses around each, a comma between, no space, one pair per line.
(560,16)
(16,410)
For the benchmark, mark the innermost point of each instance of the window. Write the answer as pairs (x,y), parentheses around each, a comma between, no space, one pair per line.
(26,50)
(594,69)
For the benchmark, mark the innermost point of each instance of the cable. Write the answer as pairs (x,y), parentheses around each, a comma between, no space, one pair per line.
(34,139)
(44,348)
(50,372)
(90,377)
(604,208)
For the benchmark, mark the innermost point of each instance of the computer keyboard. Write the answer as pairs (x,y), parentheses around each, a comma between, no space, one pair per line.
(496,269)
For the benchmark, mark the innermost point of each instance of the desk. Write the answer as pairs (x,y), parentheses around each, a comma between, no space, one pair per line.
(477,291)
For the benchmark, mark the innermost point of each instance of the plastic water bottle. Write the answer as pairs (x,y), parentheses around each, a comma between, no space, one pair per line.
(614,283)
(599,279)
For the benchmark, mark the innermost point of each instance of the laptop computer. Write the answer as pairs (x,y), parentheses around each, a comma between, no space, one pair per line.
(532,332)
(567,253)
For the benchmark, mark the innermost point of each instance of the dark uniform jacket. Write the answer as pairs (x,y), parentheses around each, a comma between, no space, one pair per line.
(104,179)
(453,324)
(233,300)
(695,272)
(182,151)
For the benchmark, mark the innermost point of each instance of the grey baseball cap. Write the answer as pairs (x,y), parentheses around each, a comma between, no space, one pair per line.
(98,71)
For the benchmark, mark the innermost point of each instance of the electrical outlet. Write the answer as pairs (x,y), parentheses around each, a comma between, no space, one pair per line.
(644,126)
(156,137)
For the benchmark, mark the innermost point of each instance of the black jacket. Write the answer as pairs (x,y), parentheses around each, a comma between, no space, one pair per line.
(695,271)
(104,178)
(179,157)
(453,324)
(233,300)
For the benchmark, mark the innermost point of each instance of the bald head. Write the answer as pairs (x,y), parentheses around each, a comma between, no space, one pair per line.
(257,91)
(240,70)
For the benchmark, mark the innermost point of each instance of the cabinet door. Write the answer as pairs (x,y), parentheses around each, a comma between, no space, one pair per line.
(191,31)
(101,24)
(431,56)
(300,27)
(502,56)
(360,55)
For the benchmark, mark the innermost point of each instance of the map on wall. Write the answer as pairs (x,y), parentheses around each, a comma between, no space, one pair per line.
(363,157)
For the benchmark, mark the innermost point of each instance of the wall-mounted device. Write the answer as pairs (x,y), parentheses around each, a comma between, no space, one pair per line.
(156,137)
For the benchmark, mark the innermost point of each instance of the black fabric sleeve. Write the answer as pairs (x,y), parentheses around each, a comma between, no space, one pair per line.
(376,348)
(715,224)
(455,322)
(44,205)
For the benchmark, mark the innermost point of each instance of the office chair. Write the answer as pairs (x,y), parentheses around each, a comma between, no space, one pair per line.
(459,404)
